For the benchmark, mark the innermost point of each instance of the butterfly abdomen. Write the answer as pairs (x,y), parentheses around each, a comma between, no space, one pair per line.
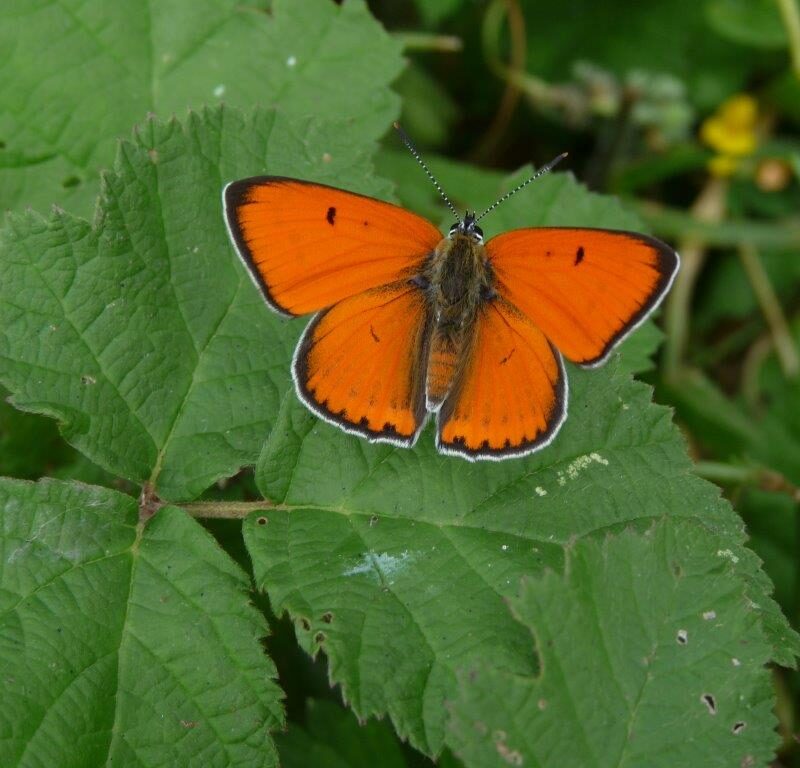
(444,356)
(457,273)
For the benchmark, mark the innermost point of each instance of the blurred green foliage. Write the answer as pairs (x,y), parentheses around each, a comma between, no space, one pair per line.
(625,88)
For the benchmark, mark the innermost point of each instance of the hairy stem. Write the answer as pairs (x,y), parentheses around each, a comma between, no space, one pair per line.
(225,509)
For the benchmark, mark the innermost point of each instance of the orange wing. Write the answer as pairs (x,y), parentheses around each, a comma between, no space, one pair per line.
(511,396)
(360,364)
(308,246)
(585,288)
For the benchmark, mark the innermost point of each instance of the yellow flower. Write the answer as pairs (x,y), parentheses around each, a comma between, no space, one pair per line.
(723,165)
(731,132)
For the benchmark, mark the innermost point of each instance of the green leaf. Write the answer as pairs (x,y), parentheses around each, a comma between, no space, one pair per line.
(398,564)
(428,109)
(57,130)
(651,654)
(749,22)
(143,334)
(332,738)
(121,644)
(637,351)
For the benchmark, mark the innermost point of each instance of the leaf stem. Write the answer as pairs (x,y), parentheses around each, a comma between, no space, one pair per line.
(773,312)
(791,21)
(225,509)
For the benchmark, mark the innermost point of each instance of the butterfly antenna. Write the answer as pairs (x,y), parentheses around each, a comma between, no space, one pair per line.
(541,172)
(413,150)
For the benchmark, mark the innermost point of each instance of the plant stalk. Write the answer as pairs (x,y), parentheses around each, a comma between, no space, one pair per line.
(230,510)
(709,207)
(773,312)
(424,41)
(791,21)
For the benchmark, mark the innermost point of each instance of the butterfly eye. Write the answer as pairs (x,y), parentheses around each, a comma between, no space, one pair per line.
(455,228)
(477,233)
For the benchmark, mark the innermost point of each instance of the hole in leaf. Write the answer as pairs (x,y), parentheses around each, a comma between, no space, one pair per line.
(710,702)
(327,617)
(738,728)
(262,520)
(319,637)
(373,520)
(682,636)
(304,623)
(70,181)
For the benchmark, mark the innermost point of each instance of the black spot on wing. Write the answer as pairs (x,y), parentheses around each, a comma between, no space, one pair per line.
(579,255)
(331,215)
(508,356)
(374,335)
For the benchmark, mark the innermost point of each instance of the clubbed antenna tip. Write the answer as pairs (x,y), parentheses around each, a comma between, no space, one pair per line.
(541,172)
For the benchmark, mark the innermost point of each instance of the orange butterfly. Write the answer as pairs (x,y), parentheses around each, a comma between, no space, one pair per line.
(409,323)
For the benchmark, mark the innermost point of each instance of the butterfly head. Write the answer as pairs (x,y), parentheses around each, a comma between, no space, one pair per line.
(467,226)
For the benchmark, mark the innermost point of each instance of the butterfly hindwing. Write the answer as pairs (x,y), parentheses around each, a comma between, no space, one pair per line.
(510,396)
(360,364)
(309,246)
(585,288)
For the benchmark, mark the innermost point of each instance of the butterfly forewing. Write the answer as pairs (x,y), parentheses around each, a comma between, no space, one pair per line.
(309,246)
(585,288)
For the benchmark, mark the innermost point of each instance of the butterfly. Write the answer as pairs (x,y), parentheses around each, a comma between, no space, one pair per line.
(410,323)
